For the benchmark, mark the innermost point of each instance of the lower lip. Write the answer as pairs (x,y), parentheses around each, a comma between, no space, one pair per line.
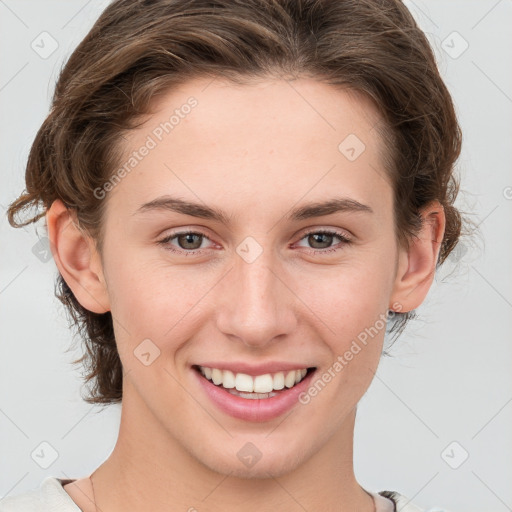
(256,410)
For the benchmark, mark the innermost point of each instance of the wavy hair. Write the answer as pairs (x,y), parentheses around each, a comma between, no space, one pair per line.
(138,49)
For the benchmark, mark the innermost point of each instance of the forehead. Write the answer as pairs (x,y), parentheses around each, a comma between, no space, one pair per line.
(265,140)
(264,108)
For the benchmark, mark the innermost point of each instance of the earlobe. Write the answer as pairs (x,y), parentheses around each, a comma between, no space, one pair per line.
(76,258)
(417,264)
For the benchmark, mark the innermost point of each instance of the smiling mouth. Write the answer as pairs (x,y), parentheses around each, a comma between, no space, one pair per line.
(254,387)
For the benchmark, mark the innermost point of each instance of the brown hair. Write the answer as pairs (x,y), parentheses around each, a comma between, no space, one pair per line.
(138,49)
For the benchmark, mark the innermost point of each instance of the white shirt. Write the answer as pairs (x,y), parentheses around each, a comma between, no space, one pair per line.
(51,497)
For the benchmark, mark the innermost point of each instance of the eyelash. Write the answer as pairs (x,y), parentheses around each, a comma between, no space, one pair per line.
(165,241)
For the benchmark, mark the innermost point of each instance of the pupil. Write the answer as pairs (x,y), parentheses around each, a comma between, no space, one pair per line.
(188,240)
(321,235)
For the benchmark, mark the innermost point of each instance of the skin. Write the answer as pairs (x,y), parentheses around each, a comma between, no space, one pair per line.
(175,448)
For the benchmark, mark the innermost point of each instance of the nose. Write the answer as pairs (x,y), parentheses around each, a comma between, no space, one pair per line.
(254,303)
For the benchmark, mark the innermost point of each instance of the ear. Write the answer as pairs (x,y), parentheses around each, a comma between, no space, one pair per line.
(417,264)
(76,258)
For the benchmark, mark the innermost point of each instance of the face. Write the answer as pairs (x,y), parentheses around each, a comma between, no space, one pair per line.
(273,282)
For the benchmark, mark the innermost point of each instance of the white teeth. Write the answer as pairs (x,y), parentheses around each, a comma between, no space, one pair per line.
(253,396)
(289,380)
(244,382)
(216,376)
(241,383)
(279,381)
(228,380)
(263,383)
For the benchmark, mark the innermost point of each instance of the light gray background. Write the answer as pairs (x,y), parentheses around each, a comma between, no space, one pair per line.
(449,378)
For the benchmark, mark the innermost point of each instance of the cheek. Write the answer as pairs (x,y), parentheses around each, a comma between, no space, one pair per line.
(352,305)
(151,299)
(350,297)
(352,310)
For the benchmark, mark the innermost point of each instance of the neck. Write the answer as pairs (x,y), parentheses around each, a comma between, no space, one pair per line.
(150,469)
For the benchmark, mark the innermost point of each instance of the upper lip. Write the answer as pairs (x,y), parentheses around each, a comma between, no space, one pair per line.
(255,369)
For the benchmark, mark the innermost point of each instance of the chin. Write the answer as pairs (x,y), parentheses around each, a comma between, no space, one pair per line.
(270,466)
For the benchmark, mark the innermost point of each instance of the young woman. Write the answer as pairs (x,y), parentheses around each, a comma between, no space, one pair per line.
(240,196)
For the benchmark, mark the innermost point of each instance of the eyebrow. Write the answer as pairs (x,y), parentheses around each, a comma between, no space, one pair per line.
(308,211)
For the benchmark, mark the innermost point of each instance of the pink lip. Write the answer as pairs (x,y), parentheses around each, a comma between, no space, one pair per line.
(256,410)
(255,369)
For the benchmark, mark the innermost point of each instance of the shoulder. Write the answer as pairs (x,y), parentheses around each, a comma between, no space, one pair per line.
(50,496)
(404,504)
